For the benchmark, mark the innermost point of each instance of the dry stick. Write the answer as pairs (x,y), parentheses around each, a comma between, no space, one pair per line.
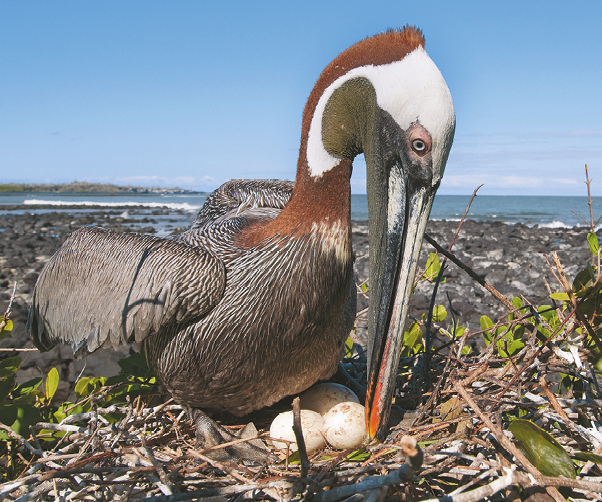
(21,440)
(513,478)
(7,313)
(503,440)
(168,486)
(429,317)
(401,475)
(553,401)
(591,223)
(299,437)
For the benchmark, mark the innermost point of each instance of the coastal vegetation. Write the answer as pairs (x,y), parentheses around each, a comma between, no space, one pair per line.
(85,187)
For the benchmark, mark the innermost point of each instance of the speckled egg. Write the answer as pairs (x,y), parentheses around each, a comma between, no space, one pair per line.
(344,425)
(312,425)
(320,398)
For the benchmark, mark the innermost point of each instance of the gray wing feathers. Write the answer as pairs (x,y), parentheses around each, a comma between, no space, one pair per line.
(237,197)
(105,287)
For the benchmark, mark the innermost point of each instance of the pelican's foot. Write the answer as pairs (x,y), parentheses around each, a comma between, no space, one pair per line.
(209,434)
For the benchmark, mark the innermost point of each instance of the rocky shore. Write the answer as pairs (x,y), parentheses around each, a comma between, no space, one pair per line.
(509,257)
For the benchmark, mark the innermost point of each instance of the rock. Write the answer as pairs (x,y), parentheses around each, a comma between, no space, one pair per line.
(509,256)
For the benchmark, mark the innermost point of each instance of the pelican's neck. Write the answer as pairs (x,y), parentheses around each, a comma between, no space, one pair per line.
(317,204)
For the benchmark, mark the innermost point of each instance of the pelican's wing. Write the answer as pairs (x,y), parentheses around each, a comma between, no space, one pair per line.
(106,287)
(240,197)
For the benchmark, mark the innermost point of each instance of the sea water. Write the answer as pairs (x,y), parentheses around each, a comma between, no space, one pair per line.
(530,210)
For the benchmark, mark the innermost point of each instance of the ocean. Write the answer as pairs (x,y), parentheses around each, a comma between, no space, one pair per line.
(530,210)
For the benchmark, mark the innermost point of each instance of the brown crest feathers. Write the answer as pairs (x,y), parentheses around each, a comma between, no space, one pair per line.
(380,49)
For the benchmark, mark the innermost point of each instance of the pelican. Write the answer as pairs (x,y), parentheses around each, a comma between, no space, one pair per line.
(255,301)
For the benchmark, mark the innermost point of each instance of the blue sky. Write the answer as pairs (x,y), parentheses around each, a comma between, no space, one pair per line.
(193,93)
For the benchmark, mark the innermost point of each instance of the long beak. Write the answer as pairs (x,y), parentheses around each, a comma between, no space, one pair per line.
(396,232)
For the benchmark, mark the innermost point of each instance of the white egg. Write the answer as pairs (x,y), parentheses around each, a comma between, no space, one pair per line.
(320,398)
(345,426)
(312,425)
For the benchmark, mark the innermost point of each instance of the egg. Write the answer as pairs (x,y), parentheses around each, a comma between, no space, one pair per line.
(344,425)
(312,425)
(320,398)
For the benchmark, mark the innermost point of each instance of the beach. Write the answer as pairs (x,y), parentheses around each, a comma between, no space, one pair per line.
(509,257)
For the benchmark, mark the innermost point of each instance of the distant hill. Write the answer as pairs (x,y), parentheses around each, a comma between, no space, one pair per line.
(85,187)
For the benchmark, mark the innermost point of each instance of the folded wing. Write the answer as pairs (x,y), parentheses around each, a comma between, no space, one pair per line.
(104,287)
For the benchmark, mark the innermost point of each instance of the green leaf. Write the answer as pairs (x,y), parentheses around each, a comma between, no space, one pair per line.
(513,348)
(82,387)
(542,450)
(594,243)
(9,366)
(52,383)
(580,283)
(486,323)
(546,311)
(459,331)
(433,267)
(8,327)
(439,313)
(29,386)
(136,365)
(358,455)
(60,414)
(349,347)
(412,339)
(8,414)
(561,297)
(588,457)
(27,416)
(517,302)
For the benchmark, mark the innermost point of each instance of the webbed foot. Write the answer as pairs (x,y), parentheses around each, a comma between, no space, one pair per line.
(209,434)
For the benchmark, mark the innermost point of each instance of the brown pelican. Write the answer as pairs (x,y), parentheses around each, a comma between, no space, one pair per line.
(254,302)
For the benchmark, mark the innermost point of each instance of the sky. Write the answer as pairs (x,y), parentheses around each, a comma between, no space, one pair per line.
(193,93)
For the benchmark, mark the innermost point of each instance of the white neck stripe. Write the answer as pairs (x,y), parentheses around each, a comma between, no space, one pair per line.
(409,90)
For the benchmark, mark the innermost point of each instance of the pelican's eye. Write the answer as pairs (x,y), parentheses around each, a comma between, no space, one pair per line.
(419,146)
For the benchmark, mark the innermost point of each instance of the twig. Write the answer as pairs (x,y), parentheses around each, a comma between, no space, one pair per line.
(429,317)
(298,430)
(402,475)
(503,440)
(168,486)
(553,400)
(21,440)
(513,477)
(8,310)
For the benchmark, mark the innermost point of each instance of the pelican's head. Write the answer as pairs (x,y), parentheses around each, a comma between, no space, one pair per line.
(385,97)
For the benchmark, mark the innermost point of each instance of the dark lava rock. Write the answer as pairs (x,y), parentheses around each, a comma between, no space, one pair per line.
(510,257)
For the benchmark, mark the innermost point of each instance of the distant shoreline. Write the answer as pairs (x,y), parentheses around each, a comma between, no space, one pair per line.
(82,188)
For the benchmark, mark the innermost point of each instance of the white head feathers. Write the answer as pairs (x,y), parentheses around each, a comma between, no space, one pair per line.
(410,90)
